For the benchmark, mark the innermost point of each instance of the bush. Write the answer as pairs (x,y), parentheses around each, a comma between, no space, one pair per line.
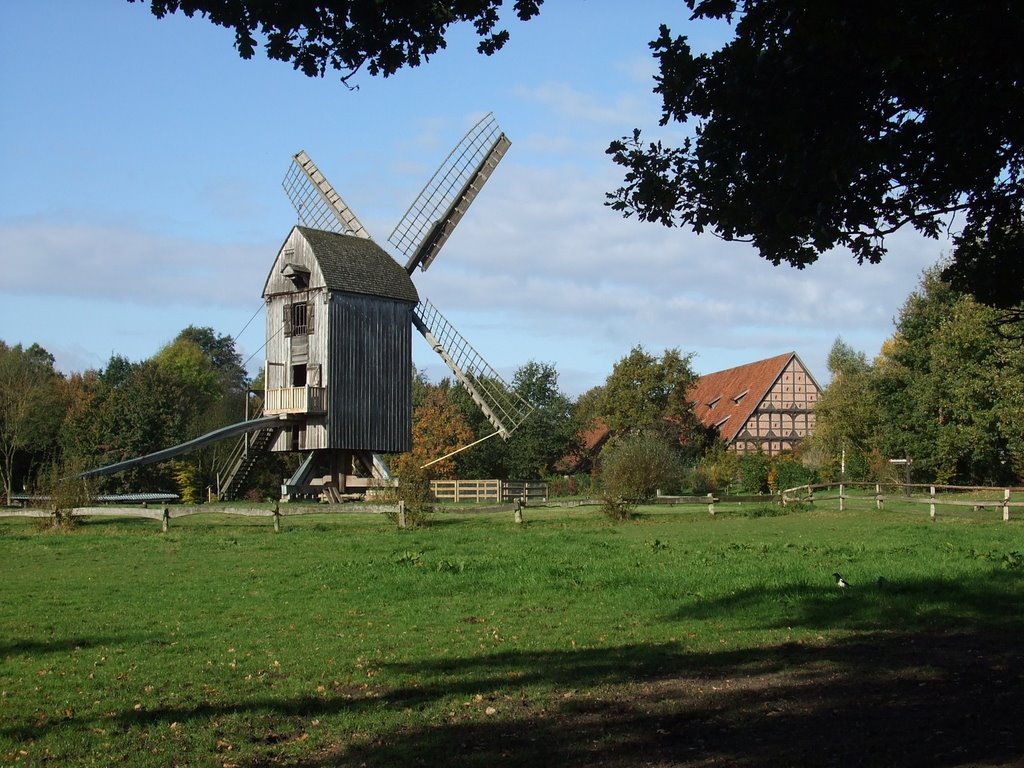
(580,484)
(790,473)
(66,491)
(414,489)
(717,470)
(617,508)
(634,468)
(186,477)
(754,469)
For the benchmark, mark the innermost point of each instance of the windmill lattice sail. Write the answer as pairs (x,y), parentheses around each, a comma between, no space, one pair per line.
(441,204)
(316,203)
(501,404)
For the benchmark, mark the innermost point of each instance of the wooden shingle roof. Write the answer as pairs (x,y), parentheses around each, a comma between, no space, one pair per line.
(726,399)
(359,265)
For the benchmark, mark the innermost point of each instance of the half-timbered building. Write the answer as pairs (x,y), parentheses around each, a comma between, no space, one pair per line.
(765,406)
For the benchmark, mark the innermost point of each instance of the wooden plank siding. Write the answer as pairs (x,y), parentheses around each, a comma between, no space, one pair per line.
(369,378)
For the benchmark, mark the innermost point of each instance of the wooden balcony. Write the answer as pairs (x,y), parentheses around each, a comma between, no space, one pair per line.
(289,400)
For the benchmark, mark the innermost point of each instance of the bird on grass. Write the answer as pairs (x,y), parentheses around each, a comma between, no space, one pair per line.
(840,581)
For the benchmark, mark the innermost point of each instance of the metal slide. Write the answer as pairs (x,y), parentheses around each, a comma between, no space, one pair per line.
(169,453)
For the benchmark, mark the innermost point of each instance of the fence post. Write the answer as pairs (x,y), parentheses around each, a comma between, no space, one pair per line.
(277,517)
(401,514)
(711,504)
(810,495)
(931,506)
(842,498)
(878,496)
(165,519)
(1006,505)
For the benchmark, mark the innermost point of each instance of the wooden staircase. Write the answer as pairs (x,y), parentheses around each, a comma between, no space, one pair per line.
(243,457)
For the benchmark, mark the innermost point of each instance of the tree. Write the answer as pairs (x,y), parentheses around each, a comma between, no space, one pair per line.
(347,35)
(222,354)
(438,428)
(488,458)
(549,432)
(821,125)
(30,410)
(844,360)
(644,391)
(949,386)
(818,125)
(192,385)
(846,414)
(634,468)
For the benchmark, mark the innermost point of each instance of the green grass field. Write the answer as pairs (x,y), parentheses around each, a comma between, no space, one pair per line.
(673,639)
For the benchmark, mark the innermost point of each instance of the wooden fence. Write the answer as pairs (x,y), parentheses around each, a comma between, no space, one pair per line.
(975,496)
(165,514)
(493,491)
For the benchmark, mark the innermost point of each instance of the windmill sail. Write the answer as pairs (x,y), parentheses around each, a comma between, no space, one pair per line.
(316,202)
(502,405)
(444,200)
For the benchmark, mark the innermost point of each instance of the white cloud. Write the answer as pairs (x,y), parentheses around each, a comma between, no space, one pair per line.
(124,265)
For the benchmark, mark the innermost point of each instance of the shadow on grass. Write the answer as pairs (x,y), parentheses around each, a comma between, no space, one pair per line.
(886,698)
(57,645)
(922,604)
(911,691)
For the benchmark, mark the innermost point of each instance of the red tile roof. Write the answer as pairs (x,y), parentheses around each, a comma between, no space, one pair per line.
(726,399)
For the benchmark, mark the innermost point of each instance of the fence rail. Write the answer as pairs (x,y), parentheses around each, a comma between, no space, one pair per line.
(164,514)
(479,491)
(999,498)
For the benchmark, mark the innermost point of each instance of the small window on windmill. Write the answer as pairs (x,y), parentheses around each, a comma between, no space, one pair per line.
(298,318)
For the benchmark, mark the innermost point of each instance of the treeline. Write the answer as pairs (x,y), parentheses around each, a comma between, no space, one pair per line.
(946,391)
(54,426)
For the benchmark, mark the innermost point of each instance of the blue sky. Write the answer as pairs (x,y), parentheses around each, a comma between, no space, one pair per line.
(141,192)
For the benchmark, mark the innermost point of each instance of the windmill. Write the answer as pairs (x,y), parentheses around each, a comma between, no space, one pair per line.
(337,241)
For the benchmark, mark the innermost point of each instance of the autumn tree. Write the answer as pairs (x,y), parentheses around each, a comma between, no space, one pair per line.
(438,428)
